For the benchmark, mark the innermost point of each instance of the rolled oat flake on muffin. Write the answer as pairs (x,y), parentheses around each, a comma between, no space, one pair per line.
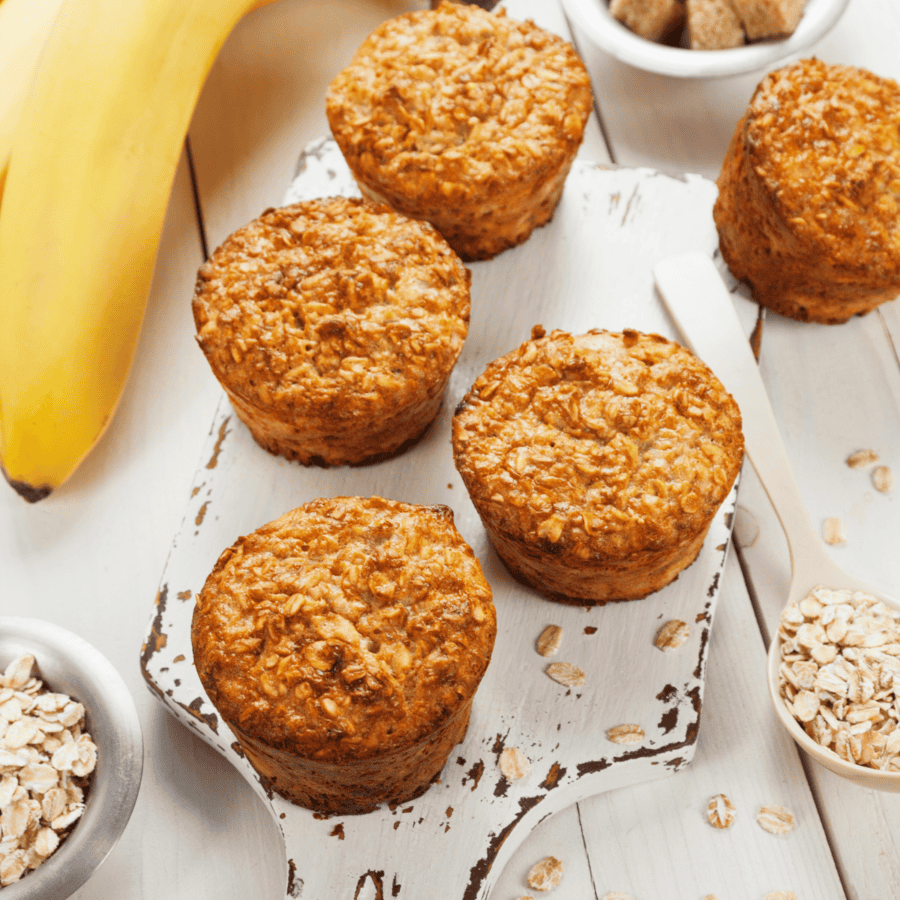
(597,461)
(463,117)
(343,644)
(333,326)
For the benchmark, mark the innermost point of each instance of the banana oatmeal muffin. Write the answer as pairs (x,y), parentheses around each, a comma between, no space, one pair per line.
(465,118)
(333,326)
(808,212)
(597,461)
(343,644)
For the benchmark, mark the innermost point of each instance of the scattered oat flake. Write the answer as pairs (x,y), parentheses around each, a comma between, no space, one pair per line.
(883,479)
(672,635)
(546,874)
(626,734)
(514,764)
(834,531)
(565,673)
(710,897)
(720,811)
(781,895)
(862,458)
(549,640)
(616,895)
(775,819)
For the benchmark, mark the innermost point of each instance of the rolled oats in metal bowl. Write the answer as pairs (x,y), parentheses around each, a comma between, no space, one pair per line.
(71,759)
(46,763)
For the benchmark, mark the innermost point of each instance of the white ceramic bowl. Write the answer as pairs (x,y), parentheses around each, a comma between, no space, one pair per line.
(864,776)
(70,665)
(592,19)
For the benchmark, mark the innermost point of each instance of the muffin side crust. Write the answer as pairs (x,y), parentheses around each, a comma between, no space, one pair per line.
(808,211)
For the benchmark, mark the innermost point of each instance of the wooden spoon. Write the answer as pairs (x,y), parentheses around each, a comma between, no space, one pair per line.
(701,306)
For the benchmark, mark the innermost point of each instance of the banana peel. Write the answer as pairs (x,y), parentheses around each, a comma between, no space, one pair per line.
(24,26)
(91,164)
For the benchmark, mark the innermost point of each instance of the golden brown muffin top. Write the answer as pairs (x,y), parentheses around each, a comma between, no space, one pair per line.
(344,628)
(449,101)
(598,443)
(825,143)
(332,305)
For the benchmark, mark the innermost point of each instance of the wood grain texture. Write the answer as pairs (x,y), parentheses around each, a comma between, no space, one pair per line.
(84,557)
(742,860)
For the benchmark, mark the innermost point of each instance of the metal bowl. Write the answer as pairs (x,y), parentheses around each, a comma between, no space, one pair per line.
(68,664)
(592,18)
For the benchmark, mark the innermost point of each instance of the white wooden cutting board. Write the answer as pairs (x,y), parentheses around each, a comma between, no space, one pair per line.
(589,268)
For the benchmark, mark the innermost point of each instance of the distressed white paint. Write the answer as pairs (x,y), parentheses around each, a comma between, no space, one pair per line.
(586,269)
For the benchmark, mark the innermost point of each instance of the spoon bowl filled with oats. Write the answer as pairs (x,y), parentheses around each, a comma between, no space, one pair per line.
(71,759)
(834,663)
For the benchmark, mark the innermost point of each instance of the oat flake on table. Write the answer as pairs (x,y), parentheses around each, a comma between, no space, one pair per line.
(720,811)
(883,479)
(566,674)
(514,764)
(834,531)
(626,734)
(672,635)
(546,874)
(775,819)
(42,751)
(549,640)
(862,458)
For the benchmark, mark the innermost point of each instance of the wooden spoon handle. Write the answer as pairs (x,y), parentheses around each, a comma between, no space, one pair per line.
(701,306)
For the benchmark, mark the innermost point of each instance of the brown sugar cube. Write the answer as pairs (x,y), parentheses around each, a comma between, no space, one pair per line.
(713,25)
(768,18)
(651,19)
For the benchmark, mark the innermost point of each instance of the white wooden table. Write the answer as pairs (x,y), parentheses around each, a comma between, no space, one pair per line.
(90,556)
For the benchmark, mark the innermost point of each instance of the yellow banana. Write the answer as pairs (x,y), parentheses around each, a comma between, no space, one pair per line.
(24,25)
(91,165)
